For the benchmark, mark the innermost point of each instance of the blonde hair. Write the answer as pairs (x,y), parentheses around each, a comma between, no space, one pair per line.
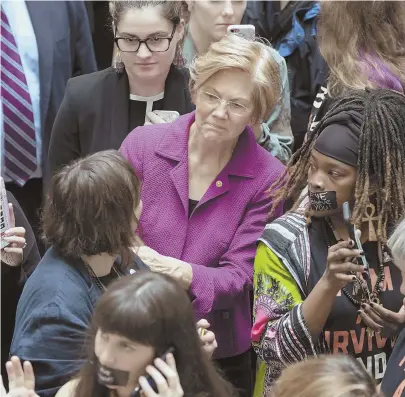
(363,43)
(396,243)
(326,376)
(251,56)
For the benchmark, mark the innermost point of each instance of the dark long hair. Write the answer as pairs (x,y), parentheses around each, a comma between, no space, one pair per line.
(153,310)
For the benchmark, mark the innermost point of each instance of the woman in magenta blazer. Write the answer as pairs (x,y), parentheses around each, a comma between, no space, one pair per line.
(204,191)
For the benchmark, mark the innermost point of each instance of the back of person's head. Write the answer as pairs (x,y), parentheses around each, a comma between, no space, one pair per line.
(363,43)
(396,244)
(151,313)
(251,56)
(325,376)
(91,204)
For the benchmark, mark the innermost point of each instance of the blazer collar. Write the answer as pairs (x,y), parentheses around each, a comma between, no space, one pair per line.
(174,145)
(120,104)
(177,96)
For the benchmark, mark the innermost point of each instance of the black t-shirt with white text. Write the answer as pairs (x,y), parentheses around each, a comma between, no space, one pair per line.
(344,330)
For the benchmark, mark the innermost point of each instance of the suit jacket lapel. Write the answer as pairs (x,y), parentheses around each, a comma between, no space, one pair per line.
(38,11)
(237,166)
(177,96)
(118,106)
(174,146)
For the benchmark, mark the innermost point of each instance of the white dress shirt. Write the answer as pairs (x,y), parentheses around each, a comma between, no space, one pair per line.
(24,35)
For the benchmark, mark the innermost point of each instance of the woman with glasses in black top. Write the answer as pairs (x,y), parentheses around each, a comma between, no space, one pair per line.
(101,108)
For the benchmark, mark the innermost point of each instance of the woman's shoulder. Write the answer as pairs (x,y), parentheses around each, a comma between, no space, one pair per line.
(68,389)
(164,137)
(55,276)
(88,84)
(284,231)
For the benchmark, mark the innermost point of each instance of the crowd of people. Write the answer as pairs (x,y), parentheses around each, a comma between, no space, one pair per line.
(211,215)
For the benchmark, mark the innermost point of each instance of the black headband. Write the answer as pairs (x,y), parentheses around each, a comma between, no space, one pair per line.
(340,137)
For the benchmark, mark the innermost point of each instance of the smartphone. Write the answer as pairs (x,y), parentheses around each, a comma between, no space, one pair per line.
(353,235)
(246,31)
(4,213)
(137,391)
(167,115)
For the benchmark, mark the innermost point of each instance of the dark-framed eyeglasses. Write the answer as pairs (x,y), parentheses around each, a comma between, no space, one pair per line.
(153,44)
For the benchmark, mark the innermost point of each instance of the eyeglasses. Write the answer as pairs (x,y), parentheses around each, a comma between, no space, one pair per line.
(153,44)
(215,101)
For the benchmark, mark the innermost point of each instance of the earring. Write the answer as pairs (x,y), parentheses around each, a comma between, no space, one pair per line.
(370,212)
(118,65)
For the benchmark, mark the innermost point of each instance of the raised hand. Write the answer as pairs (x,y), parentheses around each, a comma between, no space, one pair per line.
(207,338)
(13,255)
(21,379)
(166,378)
(339,265)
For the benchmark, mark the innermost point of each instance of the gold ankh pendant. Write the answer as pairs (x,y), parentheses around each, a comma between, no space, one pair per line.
(370,212)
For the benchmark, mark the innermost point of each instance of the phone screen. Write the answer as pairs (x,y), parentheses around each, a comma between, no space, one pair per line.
(352,233)
(4,213)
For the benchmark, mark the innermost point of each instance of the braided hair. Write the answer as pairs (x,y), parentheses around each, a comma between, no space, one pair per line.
(381,157)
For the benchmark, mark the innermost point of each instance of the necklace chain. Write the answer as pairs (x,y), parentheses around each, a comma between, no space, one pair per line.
(97,280)
(368,295)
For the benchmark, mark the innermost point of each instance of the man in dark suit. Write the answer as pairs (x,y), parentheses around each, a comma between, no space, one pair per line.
(43,45)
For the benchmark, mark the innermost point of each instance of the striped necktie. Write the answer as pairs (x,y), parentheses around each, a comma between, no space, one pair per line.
(20,160)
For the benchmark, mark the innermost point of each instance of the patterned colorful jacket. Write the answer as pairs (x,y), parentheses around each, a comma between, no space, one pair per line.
(280,335)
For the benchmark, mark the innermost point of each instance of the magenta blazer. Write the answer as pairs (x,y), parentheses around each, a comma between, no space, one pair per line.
(219,239)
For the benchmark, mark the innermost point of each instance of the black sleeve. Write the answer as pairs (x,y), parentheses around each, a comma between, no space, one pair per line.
(64,145)
(83,51)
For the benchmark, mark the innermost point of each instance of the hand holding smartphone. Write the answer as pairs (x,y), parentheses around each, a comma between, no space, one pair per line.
(161,116)
(149,379)
(353,235)
(4,213)
(246,31)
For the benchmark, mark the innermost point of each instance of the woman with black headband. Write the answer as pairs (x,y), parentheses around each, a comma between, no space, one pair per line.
(314,290)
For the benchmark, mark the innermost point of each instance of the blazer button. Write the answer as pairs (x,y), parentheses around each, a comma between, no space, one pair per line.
(218,184)
(225,315)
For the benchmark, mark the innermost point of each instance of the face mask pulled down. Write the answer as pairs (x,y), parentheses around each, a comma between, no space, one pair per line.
(107,376)
(323,201)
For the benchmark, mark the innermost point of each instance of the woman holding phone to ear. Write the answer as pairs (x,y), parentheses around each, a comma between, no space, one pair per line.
(100,109)
(310,295)
(136,322)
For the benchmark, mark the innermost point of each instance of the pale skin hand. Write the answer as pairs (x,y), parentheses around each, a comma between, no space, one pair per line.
(21,379)
(166,378)
(154,119)
(12,255)
(179,270)
(207,338)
